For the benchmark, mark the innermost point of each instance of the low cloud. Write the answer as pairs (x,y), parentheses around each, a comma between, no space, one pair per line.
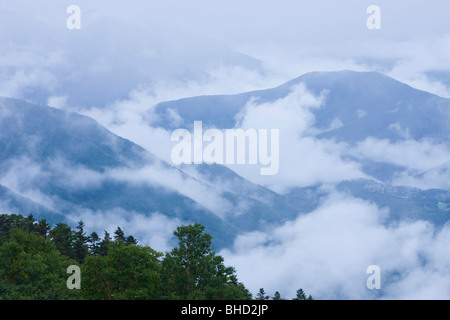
(434,178)
(172,180)
(154,230)
(327,252)
(23,177)
(426,162)
(417,155)
(304,160)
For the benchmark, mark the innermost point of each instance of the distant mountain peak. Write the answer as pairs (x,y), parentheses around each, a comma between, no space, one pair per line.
(364,103)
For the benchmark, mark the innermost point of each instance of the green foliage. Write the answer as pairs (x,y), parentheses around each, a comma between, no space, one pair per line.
(301,295)
(119,235)
(28,224)
(126,272)
(34,258)
(32,268)
(262,295)
(63,238)
(94,245)
(276,296)
(193,271)
(104,244)
(80,247)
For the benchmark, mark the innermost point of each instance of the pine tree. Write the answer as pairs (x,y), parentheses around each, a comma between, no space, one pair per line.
(94,245)
(131,240)
(301,295)
(31,220)
(276,296)
(80,246)
(42,228)
(119,235)
(104,244)
(262,295)
(63,237)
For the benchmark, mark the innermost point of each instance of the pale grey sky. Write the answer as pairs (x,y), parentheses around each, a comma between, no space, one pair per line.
(290,37)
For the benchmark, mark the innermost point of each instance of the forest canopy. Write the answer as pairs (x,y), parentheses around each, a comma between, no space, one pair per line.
(34,258)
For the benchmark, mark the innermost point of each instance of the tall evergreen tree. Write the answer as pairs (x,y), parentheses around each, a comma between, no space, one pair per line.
(301,295)
(80,246)
(42,228)
(261,295)
(31,220)
(276,296)
(131,240)
(104,244)
(63,237)
(94,245)
(119,235)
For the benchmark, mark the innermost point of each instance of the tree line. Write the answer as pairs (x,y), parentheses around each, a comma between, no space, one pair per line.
(34,258)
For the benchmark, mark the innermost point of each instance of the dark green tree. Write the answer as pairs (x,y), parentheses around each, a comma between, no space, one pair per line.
(301,295)
(126,272)
(276,296)
(32,268)
(261,295)
(15,221)
(104,244)
(42,228)
(94,243)
(31,222)
(193,271)
(119,235)
(63,238)
(131,240)
(80,247)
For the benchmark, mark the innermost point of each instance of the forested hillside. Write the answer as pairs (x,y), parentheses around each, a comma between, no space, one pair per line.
(34,258)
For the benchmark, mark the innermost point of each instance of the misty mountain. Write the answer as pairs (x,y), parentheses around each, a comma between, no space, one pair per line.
(357,106)
(366,104)
(17,204)
(59,165)
(55,164)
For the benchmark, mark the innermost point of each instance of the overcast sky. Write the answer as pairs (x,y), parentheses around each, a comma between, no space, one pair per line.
(237,22)
(290,37)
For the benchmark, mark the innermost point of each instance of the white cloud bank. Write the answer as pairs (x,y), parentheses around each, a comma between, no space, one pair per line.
(327,252)
(304,160)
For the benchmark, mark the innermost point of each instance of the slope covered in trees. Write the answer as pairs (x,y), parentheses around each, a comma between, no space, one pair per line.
(34,258)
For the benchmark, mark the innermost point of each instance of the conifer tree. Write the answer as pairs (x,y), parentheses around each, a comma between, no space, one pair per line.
(63,237)
(94,245)
(301,295)
(131,240)
(80,246)
(104,244)
(261,295)
(119,235)
(42,228)
(277,296)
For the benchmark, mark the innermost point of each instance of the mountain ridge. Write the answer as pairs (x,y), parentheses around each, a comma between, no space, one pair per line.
(351,98)
(79,166)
